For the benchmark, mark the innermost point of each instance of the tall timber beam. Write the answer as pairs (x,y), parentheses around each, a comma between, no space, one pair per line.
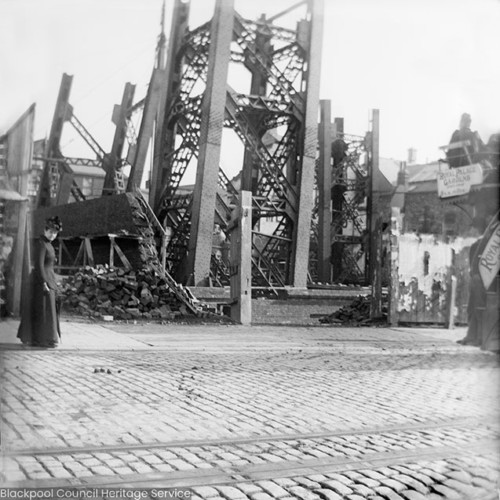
(51,173)
(324,193)
(339,177)
(308,142)
(138,151)
(165,129)
(375,266)
(263,47)
(155,98)
(62,113)
(112,161)
(57,181)
(212,121)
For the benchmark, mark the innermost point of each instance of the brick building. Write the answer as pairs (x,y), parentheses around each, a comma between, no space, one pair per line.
(424,211)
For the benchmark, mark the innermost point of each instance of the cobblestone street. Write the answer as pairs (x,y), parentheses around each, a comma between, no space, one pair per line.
(264,412)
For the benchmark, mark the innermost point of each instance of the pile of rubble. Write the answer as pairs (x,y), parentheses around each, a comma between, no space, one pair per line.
(147,245)
(141,289)
(357,313)
(120,294)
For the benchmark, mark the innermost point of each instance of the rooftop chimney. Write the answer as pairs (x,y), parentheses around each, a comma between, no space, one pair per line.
(402,175)
(412,156)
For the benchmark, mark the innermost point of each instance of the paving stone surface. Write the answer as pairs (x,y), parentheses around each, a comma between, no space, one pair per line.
(235,413)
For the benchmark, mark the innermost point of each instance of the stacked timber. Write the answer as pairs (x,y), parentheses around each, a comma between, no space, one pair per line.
(134,294)
(357,313)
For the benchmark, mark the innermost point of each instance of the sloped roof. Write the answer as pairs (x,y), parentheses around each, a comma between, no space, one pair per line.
(390,168)
(423,187)
(398,198)
(423,172)
(382,184)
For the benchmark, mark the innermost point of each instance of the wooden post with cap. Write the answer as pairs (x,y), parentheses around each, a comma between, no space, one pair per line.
(241,260)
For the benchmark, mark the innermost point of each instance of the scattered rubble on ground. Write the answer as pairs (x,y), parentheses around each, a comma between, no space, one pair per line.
(357,313)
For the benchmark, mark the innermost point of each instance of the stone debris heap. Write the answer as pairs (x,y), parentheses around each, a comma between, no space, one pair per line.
(140,290)
(143,294)
(357,313)
(144,227)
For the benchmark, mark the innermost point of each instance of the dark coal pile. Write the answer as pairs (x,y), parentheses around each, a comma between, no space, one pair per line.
(357,313)
(134,294)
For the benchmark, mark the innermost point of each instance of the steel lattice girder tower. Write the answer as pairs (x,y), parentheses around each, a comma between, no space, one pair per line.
(284,65)
(346,205)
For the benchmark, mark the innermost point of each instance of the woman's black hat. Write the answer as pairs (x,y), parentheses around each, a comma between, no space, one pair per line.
(53,223)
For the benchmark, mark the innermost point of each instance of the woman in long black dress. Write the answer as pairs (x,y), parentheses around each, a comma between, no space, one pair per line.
(39,318)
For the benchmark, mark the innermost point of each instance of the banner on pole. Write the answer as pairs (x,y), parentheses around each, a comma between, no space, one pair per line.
(489,262)
(458,181)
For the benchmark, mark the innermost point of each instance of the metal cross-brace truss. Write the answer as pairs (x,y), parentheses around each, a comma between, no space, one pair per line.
(57,181)
(276,122)
(350,187)
(57,178)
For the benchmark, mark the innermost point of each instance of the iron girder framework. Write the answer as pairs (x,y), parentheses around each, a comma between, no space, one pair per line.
(276,123)
(347,193)
(57,182)
(350,187)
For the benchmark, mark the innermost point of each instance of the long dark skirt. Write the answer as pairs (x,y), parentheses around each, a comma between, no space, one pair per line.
(477,302)
(39,317)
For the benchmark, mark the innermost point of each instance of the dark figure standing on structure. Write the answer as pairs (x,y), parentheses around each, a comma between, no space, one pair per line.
(469,153)
(39,313)
(339,150)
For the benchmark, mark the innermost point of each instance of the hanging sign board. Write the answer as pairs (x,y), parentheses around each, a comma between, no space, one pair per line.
(489,262)
(458,181)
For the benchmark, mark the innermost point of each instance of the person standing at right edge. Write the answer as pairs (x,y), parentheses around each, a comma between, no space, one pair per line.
(39,315)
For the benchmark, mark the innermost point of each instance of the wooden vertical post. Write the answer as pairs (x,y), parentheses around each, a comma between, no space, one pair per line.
(393,316)
(137,154)
(452,297)
(21,267)
(337,202)
(324,193)
(89,255)
(62,113)
(375,222)
(309,144)
(111,161)
(258,86)
(212,122)
(241,261)
(164,136)
(22,258)
(111,250)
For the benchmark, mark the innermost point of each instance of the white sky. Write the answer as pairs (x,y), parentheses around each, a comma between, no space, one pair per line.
(421,62)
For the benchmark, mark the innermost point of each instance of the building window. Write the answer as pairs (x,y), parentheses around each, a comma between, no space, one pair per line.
(450,224)
(427,257)
(87,186)
(34,181)
(91,187)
